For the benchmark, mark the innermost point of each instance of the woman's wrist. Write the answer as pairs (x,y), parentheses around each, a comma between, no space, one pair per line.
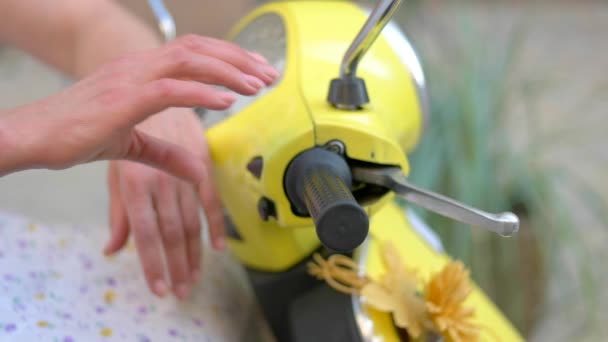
(15,148)
(7,151)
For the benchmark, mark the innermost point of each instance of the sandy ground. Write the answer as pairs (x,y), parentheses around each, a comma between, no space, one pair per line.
(566,44)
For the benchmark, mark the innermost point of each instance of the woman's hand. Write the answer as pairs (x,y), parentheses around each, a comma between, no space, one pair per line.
(103,117)
(162,212)
(94,119)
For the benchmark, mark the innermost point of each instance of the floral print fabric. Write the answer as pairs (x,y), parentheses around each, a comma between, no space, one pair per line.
(56,285)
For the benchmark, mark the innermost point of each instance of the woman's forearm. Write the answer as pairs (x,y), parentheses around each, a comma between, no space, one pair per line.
(116,33)
(74,36)
(98,118)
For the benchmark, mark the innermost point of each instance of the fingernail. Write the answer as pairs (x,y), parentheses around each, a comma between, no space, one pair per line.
(258,57)
(160,287)
(228,98)
(254,82)
(271,72)
(182,290)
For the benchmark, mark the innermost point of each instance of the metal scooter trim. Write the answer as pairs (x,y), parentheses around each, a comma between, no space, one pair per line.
(376,21)
(165,21)
(505,224)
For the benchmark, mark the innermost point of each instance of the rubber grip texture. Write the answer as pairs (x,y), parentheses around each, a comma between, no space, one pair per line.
(318,184)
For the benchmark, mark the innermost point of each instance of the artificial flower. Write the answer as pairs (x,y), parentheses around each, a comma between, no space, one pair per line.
(396,292)
(338,271)
(445,294)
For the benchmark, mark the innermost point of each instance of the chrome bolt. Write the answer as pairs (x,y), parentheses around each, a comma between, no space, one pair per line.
(335,146)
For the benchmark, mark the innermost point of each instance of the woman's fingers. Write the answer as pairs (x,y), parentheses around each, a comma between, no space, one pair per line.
(258,57)
(134,103)
(214,215)
(119,225)
(156,96)
(166,156)
(173,236)
(230,53)
(146,234)
(181,63)
(212,206)
(189,206)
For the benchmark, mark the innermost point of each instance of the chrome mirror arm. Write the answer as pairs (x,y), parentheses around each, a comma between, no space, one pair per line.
(377,20)
(165,21)
(348,91)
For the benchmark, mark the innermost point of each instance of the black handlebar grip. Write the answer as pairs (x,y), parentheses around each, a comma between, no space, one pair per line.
(316,183)
(340,222)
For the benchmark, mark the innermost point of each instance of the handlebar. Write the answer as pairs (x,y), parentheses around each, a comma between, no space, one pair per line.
(317,183)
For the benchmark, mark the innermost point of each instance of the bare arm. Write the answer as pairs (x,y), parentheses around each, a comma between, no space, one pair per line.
(74,36)
(158,210)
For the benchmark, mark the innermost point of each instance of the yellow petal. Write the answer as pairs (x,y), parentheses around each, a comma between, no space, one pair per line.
(338,271)
(378,297)
(391,257)
(410,315)
(402,320)
(445,295)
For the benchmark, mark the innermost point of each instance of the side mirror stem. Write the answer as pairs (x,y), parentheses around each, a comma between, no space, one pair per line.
(165,21)
(348,92)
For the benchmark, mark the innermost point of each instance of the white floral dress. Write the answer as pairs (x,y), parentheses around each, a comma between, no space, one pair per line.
(56,285)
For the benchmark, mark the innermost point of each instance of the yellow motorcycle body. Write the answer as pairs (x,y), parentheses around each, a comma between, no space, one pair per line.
(253,143)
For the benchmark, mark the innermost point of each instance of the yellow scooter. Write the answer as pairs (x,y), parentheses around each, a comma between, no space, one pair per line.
(310,171)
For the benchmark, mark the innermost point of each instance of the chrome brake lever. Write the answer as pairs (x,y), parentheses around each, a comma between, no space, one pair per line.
(505,224)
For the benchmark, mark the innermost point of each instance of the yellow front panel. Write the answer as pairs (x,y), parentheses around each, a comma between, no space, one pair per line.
(392,117)
(295,116)
(275,127)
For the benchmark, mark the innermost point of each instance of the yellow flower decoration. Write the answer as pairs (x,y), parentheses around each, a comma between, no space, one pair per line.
(397,292)
(445,294)
(419,309)
(339,271)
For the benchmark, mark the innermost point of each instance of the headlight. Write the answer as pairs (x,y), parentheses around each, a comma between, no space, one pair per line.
(266,36)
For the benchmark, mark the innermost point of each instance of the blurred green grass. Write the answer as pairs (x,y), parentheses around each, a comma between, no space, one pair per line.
(470,152)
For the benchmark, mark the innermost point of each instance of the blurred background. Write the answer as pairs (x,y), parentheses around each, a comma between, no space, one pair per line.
(519,101)
(519,95)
